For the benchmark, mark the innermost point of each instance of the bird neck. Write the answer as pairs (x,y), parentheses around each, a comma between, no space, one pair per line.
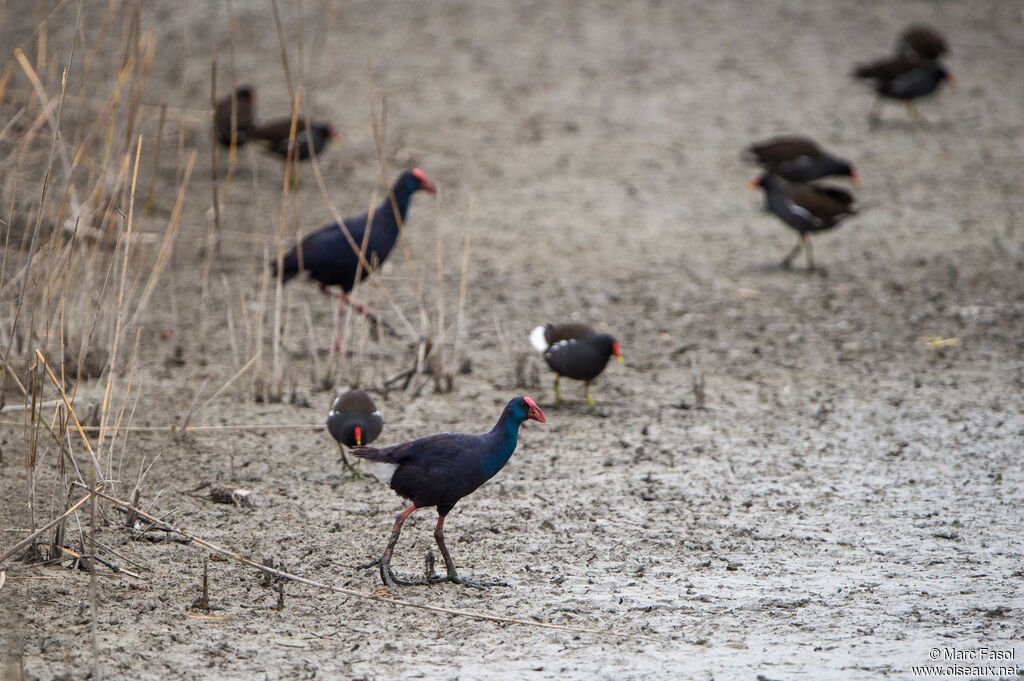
(402,196)
(505,436)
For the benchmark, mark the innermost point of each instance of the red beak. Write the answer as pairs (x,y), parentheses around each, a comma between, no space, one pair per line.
(359,436)
(754,184)
(425,184)
(535,414)
(615,351)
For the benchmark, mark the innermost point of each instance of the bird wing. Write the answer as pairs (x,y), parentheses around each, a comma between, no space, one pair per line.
(554,333)
(426,453)
(887,69)
(823,202)
(784,150)
(574,359)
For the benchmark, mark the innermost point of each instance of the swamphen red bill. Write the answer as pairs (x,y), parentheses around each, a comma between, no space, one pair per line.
(575,351)
(353,422)
(439,471)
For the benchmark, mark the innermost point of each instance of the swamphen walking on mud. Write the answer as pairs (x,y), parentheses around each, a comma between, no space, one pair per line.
(806,207)
(439,471)
(798,159)
(331,254)
(353,422)
(575,351)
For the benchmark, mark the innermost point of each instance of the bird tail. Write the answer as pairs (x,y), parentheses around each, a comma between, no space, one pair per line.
(291,266)
(537,339)
(376,463)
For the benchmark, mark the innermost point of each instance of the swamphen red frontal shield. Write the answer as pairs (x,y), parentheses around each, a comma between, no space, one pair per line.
(439,471)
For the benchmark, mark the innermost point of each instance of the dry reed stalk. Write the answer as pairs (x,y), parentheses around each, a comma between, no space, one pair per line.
(315,427)
(232,335)
(30,72)
(215,246)
(156,158)
(376,596)
(463,288)
(120,297)
(71,411)
(38,532)
(167,245)
(124,405)
(233,145)
(238,374)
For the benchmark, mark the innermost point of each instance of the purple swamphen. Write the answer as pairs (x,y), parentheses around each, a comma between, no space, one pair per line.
(353,422)
(439,470)
(331,255)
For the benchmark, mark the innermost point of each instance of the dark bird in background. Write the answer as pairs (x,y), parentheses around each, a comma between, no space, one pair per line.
(806,207)
(912,73)
(921,41)
(439,471)
(354,422)
(243,100)
(276,136)
(575,351)
(796,158)
(331,254)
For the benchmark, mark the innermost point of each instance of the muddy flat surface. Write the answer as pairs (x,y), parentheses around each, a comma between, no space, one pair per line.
(848,498)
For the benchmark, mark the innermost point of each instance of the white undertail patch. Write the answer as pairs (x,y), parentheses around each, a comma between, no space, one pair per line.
(537,339)
(380,470)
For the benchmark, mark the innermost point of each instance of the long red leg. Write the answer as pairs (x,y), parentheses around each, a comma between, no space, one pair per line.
(385,559)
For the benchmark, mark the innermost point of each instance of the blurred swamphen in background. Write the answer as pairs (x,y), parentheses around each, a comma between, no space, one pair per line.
(806,207)
(798,159)
(575,351)
(243,103)
(331,254)
(439,471)
(353,422)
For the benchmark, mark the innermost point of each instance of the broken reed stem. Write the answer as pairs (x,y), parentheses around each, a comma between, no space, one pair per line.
(191,538)
(238,374)
(201,429)
(94,485)
(35,535)
(55,124)
(67,404)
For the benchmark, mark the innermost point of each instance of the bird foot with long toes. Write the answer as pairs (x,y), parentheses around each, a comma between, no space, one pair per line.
(393,581)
